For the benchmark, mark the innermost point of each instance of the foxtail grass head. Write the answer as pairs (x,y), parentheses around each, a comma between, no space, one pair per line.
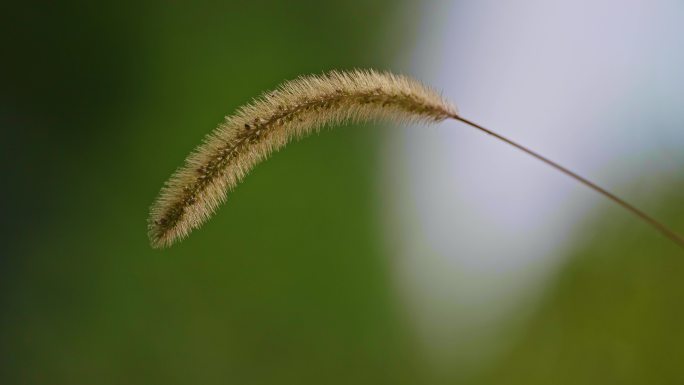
(295,109)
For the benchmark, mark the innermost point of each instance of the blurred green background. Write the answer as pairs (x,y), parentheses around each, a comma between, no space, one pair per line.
(289,283)
(286,285)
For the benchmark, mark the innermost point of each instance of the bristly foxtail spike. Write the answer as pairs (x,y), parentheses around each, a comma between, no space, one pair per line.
(293,110)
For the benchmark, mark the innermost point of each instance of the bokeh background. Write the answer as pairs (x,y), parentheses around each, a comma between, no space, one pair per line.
(365,254)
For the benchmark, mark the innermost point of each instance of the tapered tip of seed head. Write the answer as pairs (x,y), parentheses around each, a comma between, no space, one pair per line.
(157,235)
(170,221)
(161,244)
(158,241)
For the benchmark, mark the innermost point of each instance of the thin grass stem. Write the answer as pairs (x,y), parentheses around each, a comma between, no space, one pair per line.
(663,229)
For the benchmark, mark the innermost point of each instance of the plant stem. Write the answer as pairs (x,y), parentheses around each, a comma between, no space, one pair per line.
(676,238)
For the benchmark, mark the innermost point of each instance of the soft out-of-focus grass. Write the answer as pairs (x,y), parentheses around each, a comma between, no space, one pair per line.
(613,314)
(285,285)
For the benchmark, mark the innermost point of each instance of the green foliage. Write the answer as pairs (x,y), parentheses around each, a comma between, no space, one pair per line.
(614,313)
(302,294)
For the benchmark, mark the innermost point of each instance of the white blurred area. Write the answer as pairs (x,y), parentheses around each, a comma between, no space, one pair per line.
(474,227)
